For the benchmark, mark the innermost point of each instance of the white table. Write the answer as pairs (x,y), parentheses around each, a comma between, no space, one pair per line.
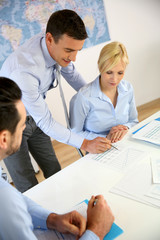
(86,177)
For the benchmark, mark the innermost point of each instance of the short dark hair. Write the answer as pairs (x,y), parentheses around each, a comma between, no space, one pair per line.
(66,22)
(10,93)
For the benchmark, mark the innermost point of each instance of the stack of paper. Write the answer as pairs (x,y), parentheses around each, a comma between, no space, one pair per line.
(138,185)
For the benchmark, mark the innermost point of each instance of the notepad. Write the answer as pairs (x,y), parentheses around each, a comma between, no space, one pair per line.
(115,230)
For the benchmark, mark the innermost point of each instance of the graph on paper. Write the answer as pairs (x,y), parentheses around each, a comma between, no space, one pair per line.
(120,159)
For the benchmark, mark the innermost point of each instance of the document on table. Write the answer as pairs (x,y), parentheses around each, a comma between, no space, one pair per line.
(121,159)
(82,209)
(150,132)
(154,192)
(155,163)
(137,184)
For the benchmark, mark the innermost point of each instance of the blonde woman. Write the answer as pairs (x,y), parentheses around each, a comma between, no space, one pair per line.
(105,107)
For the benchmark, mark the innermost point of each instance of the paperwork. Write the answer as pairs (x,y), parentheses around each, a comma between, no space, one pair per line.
(137,184)
(120,159)
(154,192)
(155,162)
(150,132)
(141,182)
(82,209)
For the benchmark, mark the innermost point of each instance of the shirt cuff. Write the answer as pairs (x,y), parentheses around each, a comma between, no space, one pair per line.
(75,140)
(41,222)
(89,235)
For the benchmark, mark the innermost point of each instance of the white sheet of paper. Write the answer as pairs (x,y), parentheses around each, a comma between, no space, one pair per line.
(49,234)
(154,192)
(150,132)
(136,184)
(120,159)
(155,162)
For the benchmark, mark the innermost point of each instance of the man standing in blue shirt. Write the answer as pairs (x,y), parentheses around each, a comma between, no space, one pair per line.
(19,214)
(32,67)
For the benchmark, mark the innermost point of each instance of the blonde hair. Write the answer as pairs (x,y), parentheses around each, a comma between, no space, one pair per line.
(110,55)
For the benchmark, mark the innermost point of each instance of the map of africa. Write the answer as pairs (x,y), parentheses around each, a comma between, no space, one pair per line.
(21,19)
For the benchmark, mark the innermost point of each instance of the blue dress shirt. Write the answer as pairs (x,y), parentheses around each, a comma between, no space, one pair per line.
(19,215)
(92,113)
(31,67)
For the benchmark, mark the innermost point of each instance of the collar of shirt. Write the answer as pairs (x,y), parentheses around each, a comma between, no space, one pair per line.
(50,62)
(96,90)
(122,88)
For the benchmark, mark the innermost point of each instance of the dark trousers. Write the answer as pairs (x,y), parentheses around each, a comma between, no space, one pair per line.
(40,146)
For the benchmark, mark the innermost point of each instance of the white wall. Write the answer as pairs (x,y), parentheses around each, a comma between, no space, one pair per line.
(136,23)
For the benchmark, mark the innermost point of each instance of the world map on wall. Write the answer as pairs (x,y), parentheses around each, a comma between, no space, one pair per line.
(21,19)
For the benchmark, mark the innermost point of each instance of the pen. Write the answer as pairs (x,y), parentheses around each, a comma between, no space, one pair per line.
(95,202)
(114,147)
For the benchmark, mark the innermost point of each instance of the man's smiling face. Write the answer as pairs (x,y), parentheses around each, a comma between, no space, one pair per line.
(65,50)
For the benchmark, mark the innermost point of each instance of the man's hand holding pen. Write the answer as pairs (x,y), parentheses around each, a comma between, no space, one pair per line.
(97,145)
(99,216)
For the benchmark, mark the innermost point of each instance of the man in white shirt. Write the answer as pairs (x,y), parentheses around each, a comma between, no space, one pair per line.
(32,67)
(19,214)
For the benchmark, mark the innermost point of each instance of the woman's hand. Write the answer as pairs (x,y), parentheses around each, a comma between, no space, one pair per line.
(117,133)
